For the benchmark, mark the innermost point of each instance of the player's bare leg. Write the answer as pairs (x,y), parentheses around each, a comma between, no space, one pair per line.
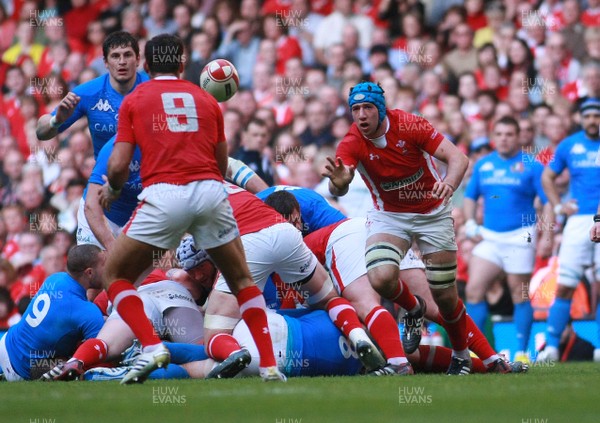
(230,259)
(322,294)
(383,256)
(380,323)
(441,275)
(127,259)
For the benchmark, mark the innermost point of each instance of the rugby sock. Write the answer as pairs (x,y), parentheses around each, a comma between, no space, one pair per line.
(253,309)
(130,307)
(185,353)
(382,326)
(221,345)
(478,312)
(479,344)
(558,317)
(404,298)
(437,359)
(343,315)
(523,319)
(172,371)
(91,352)
(455,324)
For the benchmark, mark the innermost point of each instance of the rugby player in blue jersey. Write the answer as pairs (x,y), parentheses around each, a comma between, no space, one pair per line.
(58,318)
(99,99)
(577,153)
(509,181)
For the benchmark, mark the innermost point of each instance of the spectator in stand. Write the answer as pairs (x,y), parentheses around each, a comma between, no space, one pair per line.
(304,25)
(12,168)
(318,131)
(200,54)
(287,47)
(233,123)
(495,14)
(30,194)
(77,18)
(182,15)
(110,17)
(8,27)
(568,66)
(573,30)
(252,150)
(467,91)
(24,45)
(463,57)
(158,20)
(432,91)
(13,217)
(330,30)
(526,137)
(587,85)
(240,45)
(592,42)
(133,22)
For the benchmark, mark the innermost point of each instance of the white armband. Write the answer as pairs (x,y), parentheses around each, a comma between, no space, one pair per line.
(240,172)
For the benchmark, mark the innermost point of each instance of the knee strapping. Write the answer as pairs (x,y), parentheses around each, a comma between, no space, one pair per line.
(323,292)
(382,253)
(215,321)
(441,276)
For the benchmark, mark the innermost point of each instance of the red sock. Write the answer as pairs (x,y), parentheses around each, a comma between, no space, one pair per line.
(221,345)
(91,352)
(478,343)
(403,297)
(384,329)
(253,309)
(126,300)
(343,315)
(437,359)
(456,326)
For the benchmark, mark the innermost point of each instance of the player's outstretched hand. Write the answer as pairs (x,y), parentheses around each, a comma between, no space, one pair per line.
(339,174)
(595,232)
(107,195)
(442,190)
(66,107)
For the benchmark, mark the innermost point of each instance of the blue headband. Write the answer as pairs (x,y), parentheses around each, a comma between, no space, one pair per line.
(368,92)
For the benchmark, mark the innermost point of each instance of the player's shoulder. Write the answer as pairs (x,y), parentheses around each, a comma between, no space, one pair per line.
(92,87)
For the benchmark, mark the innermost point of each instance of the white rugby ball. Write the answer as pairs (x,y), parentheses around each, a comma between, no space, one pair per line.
(220,79)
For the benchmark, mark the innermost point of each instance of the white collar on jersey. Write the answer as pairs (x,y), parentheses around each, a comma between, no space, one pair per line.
(380,142)
(162,77)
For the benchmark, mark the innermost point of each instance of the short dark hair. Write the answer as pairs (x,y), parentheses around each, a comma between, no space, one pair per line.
(284,202)
(508,120)
(164,54)
(81,257)
(256,121)
(119,39)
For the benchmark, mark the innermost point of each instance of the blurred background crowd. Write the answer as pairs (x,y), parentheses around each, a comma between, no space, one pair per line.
(460,64)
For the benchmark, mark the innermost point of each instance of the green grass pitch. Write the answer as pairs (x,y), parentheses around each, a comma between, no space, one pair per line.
(549,394)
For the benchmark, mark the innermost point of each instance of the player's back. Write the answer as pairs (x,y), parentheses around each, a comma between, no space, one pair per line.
(177,126)
(56,320)
(251,214)
(315,211)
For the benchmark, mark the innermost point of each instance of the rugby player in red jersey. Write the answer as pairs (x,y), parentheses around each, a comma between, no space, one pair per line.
(179,130)
(393,151)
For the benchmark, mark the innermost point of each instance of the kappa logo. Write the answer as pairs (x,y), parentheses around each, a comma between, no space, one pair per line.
(103,106)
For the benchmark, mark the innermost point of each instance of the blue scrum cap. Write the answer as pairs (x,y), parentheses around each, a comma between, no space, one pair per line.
(368,92)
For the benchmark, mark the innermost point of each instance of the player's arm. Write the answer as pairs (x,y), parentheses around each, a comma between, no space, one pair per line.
(548,183)
(339,176)
(95,216)
(595,231)
(457,166)
(117,173)
(47,125)
(546,239)
(222,157)
(240,174)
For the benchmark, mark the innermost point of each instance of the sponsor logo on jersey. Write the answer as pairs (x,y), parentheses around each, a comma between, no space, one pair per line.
(390,186)
(578,149)
(487,166)
(373,156)
(103,106)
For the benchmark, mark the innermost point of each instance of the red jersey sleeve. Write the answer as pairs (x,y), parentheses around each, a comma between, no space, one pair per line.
(125,131)
(346,151)
(425,136)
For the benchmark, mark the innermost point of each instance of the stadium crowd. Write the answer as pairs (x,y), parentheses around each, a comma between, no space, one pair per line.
(463,66)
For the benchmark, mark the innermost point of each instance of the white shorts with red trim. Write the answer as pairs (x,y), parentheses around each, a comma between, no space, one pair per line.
(433,231)
(84,232)
(276,249)
(166,212)
(345,254)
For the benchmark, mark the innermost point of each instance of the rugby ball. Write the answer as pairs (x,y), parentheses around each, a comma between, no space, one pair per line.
(220,79)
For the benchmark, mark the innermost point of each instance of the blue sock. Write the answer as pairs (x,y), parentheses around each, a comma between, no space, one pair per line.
(479,313)
(173,371)
(523,319)
(185,353)
(558,317)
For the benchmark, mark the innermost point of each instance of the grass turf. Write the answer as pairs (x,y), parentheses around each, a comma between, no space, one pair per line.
(549,394)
